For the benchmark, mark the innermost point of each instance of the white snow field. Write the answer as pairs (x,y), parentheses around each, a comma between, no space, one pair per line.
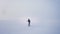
(17,27)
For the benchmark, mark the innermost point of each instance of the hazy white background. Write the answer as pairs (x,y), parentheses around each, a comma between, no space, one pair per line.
(44,15)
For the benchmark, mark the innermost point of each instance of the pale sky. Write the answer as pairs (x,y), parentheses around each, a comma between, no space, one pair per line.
(33,8)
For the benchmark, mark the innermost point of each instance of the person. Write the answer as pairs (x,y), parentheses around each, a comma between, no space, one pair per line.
(29,22)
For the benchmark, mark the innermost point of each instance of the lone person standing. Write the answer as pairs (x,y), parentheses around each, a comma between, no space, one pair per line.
(29,22)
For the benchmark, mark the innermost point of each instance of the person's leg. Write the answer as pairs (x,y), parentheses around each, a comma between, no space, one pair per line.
(29,24)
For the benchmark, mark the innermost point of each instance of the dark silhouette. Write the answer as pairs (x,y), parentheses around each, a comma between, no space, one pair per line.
(29,22)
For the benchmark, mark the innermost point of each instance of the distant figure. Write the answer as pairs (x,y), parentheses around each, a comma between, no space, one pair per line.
(29,22)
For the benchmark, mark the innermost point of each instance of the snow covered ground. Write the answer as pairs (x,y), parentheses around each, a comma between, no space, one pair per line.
(16,27)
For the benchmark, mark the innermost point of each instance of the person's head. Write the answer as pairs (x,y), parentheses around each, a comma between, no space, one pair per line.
(28,19)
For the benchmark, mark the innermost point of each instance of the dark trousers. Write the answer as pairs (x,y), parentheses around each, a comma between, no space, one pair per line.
(29,24)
